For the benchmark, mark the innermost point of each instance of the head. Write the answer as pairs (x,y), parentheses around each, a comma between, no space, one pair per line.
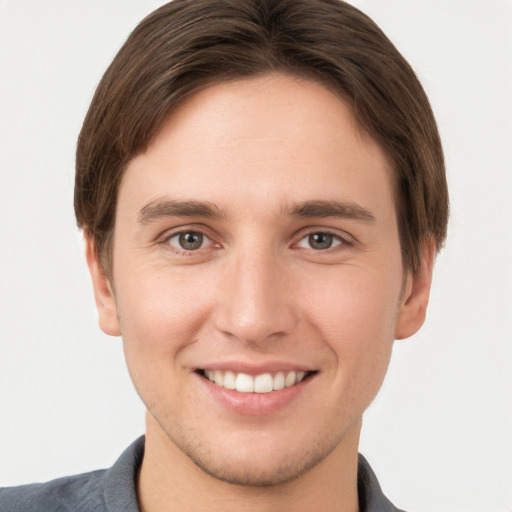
(262,189)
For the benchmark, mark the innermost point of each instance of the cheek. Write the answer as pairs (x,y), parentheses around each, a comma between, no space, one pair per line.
(160,313)
(160,316)
(355,304)
(356,316)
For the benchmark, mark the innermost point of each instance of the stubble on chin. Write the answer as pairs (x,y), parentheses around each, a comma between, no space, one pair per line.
(242,469)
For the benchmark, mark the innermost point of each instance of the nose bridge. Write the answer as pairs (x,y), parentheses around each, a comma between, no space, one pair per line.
(254,304)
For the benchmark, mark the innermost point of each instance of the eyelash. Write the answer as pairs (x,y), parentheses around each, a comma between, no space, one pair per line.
(344,241)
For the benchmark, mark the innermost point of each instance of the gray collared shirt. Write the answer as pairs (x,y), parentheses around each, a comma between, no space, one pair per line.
(114,490)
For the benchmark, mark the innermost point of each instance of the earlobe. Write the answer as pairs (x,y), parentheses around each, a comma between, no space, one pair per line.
(414,302)
(103,291)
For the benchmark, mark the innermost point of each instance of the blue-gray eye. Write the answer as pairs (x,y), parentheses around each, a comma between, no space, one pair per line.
(188,240)
(319,241)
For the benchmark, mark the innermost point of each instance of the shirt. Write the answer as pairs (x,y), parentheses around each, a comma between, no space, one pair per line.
(114,490)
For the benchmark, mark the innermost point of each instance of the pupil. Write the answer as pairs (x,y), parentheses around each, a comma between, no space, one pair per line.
(191,240)
(320,241)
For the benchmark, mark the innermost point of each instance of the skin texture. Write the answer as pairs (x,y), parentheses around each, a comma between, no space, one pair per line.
(256,294)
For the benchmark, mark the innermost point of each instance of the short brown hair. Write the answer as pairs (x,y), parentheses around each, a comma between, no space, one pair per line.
(188,45)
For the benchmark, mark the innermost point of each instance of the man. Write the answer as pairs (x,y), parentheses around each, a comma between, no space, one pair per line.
(262,192)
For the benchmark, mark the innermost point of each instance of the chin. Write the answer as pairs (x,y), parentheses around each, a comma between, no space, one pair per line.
(253,461)
(257,471)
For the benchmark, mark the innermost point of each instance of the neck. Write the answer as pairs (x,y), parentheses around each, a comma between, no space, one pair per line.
(169,480)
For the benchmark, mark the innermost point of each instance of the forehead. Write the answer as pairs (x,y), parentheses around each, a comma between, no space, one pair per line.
(237,141)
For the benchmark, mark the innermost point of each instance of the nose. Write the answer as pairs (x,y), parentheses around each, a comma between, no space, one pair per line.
(255,301)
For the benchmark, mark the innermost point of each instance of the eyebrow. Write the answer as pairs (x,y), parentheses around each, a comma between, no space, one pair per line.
(161,208)
(344,210)
(171,208)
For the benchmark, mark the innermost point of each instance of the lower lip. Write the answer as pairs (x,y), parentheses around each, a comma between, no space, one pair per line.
(255,404)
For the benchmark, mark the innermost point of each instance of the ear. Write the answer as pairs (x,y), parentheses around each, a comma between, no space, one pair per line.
(413,305)
(103,291)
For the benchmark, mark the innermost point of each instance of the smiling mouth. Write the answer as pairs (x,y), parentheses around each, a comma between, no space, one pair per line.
(262,383)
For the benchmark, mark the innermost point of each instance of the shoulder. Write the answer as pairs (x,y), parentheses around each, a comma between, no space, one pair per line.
(82,493)
(111,490)
(371,497)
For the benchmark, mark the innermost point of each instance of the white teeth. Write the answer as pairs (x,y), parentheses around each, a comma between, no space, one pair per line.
(279,381)
(219,378)
(290,379)
(244,383)
(263,383)
(229,380)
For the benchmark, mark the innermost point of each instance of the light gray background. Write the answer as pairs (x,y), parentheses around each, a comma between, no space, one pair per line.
(440,433)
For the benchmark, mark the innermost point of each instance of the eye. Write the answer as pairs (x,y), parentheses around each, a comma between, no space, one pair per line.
(320,241)
(188,240)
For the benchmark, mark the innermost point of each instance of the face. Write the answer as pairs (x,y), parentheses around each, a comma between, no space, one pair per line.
(257,278)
